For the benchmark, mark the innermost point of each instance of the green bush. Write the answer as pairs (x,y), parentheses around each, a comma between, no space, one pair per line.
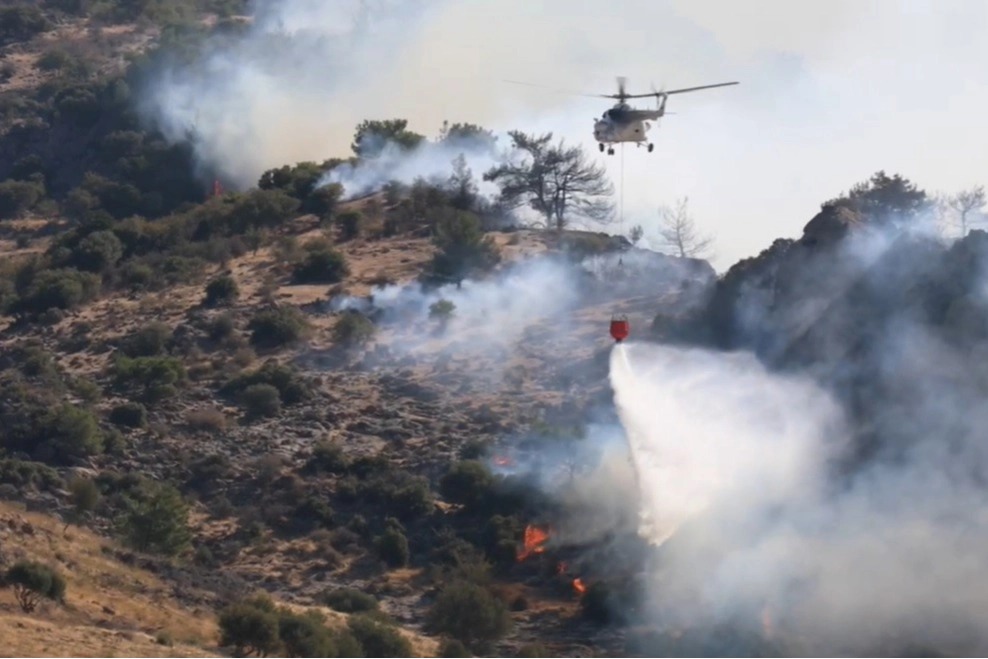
(353,329)
(33,581)
(221,291)
(29,476)
(292,388)
(278,327)
(261,400)
(392,547)
(148,341)
(441,310)
(21,22)
(453,648)
(305,635)
(97,252)
(129,415)
(18,197)
(349,224)
(250,629)
(152,379)
(468,483)
(156,519)
(65,433)
(469,613)
(65,288)
(321,266)
(378,639)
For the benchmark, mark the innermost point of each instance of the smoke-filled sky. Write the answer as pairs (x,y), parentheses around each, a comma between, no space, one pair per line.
(830,92)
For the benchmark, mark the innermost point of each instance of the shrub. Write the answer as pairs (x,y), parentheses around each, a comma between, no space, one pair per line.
(221,291)
(129,415)
(281,326)
(305,635)
(261,400)
(349,225)
(208,419)
(156,520)
(350,600)
(441,310)
(249,628)
(221,327)
(66,288)
(292,388)
(97,252)
(67,432)
(392,547)
(469,613)
(321,266)
(18,197)
(84,494)
(379,639)
(33,581)
(153,379)
(148,341)
(453,648)
(327,456)
(353,329)
(468,483)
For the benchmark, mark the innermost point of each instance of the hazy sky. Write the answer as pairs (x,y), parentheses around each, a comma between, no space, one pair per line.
(830,92)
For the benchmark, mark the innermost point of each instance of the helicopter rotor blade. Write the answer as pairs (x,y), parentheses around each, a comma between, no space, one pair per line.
(559,91)
(694,89)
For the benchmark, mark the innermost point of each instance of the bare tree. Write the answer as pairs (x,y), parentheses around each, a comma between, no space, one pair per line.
(680,234)
(555,180)
(968,207)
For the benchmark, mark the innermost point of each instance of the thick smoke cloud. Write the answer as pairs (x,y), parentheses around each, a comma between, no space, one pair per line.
(744,477)
(430,161)
(830,92)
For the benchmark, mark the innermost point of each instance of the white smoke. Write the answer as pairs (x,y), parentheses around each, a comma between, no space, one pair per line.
(431,161)
(822,85)
(706,429)
(734,466)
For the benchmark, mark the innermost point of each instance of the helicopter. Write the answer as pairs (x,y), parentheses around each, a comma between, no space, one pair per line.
(623,123)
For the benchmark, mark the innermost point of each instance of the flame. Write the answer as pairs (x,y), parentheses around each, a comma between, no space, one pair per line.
(502,461)
(578,586)
(535,537)
(767,622)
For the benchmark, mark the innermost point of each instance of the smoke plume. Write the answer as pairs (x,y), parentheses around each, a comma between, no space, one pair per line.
(828,92)
(744,484)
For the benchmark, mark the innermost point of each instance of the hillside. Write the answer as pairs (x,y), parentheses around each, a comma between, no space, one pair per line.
(305,418)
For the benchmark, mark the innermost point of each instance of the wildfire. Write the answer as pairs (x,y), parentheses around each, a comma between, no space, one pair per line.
(502,461)
(535,537)
(578,586)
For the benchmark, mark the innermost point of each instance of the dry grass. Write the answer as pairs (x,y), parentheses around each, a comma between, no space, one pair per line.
(110,609)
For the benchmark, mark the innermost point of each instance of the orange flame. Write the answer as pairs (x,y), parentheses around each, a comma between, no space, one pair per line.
(578,586)
(501,461)
(534,539)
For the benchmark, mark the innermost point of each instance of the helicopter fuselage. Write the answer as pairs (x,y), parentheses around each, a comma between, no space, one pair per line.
(624,124)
